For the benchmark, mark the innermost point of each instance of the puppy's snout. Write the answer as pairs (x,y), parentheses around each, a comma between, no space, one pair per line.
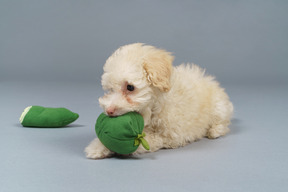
(111,111)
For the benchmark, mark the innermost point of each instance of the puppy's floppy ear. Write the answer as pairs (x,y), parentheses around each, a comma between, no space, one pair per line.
(158,68)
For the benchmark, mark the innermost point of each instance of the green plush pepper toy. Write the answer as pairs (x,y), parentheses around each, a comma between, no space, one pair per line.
(37,116)
(122,134)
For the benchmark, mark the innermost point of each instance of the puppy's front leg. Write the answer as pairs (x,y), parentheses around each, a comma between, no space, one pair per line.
(96,150)
(155,142)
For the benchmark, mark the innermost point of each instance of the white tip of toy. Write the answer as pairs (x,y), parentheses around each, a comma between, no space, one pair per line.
(26,110)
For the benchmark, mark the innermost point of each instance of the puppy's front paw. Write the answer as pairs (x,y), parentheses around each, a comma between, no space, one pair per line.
(96,150)
(96,154)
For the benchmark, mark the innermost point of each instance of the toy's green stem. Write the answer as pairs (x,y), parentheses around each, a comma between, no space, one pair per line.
(140,139)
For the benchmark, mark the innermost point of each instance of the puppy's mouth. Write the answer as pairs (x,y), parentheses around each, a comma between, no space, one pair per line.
(112,115)
(113,112)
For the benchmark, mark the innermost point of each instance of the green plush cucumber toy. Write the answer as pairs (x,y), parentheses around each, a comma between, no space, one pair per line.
(37,116)
(122,134)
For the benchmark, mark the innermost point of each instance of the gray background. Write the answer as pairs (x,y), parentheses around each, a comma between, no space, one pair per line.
(70,40)
(52,53)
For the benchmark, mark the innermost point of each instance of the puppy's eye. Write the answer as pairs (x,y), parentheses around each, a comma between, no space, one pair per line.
(130,87)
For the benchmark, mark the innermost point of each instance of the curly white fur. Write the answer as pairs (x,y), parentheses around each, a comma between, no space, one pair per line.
(179,104)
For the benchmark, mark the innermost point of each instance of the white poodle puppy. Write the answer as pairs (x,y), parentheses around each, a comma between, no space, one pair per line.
(179,104)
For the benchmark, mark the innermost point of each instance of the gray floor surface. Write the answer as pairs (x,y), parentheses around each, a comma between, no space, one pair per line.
(252,157)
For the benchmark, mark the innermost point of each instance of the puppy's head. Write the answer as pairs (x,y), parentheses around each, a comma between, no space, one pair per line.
(132,75)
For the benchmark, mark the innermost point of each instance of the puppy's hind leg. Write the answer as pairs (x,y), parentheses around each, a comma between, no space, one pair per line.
(220,119)
(217,131)
(155,142)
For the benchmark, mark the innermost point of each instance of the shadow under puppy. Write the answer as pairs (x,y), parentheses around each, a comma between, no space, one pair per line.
(179,104)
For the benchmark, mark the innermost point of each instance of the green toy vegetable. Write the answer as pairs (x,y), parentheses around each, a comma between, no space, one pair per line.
(122,134)
(37,116)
